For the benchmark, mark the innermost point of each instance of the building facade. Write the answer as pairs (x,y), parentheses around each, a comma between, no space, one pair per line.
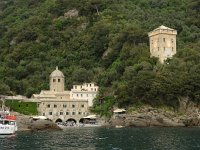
(60,105)
(162,43)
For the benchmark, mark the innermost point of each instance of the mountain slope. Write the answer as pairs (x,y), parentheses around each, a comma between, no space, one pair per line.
(107,43)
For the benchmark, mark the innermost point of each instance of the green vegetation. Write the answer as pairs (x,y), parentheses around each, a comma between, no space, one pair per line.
(107,43)
(27,108)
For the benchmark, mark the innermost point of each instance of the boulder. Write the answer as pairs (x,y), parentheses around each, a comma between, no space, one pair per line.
(43,125)
(191,122)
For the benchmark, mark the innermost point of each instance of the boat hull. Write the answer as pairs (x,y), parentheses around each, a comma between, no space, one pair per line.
(7,129)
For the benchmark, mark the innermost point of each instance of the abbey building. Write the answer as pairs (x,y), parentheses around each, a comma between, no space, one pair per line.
(60,105)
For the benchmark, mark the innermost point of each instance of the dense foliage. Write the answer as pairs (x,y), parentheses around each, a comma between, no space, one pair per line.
(106,43)
(27,108)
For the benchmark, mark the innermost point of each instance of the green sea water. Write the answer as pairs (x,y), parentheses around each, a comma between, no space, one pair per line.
(105,139)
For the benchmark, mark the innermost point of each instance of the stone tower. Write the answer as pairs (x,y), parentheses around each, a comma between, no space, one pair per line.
(162,43)
(57,81)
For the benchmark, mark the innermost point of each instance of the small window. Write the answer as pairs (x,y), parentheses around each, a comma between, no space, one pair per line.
(58,80)
(38,105)
(43,114)
(79,113)
(48,106)
(61,113)
(172,49)
(81,95)
(73,113)
(73,105)
(64,105)
(67,113)
(82,105)
(90,85)
(163,39)
(55,106)
(91,89)
(172,41)
(77,95)
(26,105)
(50,113)
(54,80)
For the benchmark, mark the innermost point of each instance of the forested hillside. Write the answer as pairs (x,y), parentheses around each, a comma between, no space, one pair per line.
(107,42)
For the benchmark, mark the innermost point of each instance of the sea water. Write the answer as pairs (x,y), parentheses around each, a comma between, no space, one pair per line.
(105,139)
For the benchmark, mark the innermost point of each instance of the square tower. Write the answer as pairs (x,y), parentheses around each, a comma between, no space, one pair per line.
(162,43)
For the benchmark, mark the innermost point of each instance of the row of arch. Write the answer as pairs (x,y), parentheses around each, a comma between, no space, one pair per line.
(69,120)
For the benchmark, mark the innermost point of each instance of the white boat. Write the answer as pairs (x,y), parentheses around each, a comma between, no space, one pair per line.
(89,121)
(8,123)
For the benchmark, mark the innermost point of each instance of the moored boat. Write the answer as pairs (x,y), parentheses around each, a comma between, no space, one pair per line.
(8,123)
(89,121)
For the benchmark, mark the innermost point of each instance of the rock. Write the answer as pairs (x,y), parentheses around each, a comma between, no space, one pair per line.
(191,122)
(71,13)
(43,125)
(117,122)
(138,123)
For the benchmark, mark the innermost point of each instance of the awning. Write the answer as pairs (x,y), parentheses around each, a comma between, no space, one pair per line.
(40,117)
(119,110)
(90,117)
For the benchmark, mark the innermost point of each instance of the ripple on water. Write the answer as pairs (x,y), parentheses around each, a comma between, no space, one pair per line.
(106,139)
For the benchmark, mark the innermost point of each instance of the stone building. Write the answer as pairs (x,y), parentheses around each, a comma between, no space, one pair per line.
(60,105)
(162,43)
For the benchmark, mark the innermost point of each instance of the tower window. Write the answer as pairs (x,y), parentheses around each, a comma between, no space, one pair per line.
(163,39)
(172,41)
(82,105)
(48,105)
(55,106)
(61,113)
(54,80)
(73,106)
(64,105)
(172,49)
(58,80)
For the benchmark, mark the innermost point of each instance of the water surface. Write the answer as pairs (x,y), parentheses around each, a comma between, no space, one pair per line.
(105,139)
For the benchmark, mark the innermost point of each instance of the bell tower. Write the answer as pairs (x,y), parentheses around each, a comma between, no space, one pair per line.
(57,81)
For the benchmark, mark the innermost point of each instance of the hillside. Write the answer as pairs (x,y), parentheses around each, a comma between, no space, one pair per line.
(105,41)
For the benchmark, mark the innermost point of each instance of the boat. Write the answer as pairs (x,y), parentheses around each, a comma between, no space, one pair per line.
(8,125)
(89,121)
